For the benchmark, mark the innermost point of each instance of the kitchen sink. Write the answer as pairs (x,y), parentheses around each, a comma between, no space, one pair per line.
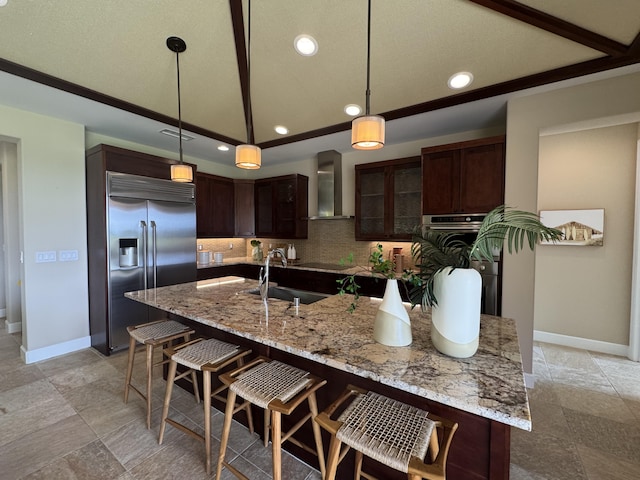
(284,293)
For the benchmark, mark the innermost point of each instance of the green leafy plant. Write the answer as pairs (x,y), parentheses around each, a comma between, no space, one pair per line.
(378,263)
(434,250)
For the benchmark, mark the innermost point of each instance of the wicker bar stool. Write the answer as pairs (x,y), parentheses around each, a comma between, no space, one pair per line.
(208,356)
(154,334)
(280,389)
(391,432)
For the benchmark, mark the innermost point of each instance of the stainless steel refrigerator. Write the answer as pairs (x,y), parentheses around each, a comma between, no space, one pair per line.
(151,226)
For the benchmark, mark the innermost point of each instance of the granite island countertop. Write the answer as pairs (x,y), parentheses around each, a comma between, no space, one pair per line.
(489,384)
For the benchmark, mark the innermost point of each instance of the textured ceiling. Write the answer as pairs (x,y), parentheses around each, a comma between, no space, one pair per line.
(114,52)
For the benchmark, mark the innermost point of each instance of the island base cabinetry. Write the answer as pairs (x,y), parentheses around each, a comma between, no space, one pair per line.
(480,447)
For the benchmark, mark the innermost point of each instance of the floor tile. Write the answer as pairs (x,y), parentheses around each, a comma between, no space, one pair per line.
(34,450)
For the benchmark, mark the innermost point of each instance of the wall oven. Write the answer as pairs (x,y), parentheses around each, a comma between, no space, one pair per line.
(467,227)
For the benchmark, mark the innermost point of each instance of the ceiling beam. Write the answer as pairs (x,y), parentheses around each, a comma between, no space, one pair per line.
(237,20)
(555,25)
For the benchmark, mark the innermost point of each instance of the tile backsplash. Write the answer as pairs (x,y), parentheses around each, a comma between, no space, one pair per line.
(328,242)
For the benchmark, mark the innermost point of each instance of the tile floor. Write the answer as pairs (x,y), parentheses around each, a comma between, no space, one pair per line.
(64,419)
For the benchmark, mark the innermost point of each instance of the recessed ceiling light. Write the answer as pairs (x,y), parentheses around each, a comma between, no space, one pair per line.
(353,109)
(281,129)
(460,80)
(305,45)
(223,148)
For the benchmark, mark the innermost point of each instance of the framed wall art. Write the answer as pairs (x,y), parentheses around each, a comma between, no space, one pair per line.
(584,228)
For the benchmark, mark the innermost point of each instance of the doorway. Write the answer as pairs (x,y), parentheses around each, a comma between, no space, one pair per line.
(10,286)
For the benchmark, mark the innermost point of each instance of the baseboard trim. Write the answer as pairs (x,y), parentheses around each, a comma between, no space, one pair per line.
(13,327)
(44,353)
(584,343)
(529,380)
(3,312)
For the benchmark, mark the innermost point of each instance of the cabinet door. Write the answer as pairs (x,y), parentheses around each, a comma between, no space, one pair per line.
(264,209)
(245,223)
(370,203)
(214,206)
(440,184)
(285,208)
(407,193)
(481,178)
(204,217)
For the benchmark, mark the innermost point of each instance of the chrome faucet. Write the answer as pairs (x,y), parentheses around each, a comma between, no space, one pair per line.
(263,278)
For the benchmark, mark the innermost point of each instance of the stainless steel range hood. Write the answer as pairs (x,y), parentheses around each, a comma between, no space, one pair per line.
(329,186)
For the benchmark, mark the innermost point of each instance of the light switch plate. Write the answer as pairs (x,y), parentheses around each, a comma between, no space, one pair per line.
(44,257)
(68,255)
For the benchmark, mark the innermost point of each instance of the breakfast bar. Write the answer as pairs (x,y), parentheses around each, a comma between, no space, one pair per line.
(485,394)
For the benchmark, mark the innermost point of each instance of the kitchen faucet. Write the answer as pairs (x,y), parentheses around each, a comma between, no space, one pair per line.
(263,278)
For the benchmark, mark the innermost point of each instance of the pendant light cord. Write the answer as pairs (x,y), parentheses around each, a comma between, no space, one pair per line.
(179,105)
(368,92)
(248,106)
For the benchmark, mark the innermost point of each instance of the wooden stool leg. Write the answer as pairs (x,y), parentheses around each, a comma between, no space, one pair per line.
(224,440)
(167,398)
(149,382)
(276,444)
(267,423)
(206,381)
(313,408)
(333,458)
(127,380)
(358,465)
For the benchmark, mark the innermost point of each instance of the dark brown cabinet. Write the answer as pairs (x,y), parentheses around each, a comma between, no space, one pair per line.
(388,198)
(465,177)
(245,222)
(281,206)
(215,212)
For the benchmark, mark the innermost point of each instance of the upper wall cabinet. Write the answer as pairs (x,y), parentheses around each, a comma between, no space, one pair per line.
(245,208)
(215,215)
(281,206)
(388,197)
(465,177)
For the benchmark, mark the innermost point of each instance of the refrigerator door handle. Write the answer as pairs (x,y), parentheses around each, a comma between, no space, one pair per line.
(154,253)
(143,225)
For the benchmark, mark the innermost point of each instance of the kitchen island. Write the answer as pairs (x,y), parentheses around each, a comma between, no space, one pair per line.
(485,394)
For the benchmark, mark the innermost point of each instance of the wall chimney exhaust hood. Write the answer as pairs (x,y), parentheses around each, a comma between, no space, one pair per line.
(329,186)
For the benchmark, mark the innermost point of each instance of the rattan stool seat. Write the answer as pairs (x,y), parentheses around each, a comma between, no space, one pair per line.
(269,381)
(386,430)
(157,331)
(160,333)
(206,356)
(279,389)
(395,434)
(204,352)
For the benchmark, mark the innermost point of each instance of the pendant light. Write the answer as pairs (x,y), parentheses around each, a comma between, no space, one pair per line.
(179,172)
(367,131)
(248,156)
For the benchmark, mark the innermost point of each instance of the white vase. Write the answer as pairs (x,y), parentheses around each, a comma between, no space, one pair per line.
(392,325)
(455,321)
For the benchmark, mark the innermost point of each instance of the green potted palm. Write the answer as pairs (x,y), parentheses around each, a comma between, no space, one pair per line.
(445,281)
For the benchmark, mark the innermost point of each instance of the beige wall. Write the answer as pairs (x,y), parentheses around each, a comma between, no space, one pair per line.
(51,189)
(585,292)
(526,117)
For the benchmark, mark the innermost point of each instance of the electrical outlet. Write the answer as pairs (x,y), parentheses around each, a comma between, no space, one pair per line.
(231,246)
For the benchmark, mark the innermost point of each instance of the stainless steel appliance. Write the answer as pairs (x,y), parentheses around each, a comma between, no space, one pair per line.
(151,243)
(491,272)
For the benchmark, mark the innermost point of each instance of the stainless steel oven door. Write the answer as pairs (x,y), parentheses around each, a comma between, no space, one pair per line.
(490,286)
